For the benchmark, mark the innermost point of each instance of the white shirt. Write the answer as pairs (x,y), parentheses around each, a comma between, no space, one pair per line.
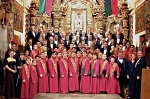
(120,60)
(83,37)
(137,62)
(78,33)
(56,42)
(30,47)
(105,51)
(118,40)
(124,47)
(67,42)
(89,43)
(51,45)
(112,46)
(33,34)
(77,41)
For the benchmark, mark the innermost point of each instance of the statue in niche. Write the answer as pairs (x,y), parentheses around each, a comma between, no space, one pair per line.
(78,21)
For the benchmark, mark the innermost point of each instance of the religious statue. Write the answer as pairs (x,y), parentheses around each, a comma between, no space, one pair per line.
(78,21)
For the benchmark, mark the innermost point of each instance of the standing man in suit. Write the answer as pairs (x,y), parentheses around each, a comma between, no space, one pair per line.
(141,63)
(122,63)
(29,46)
(67,42)
(32,35)
(105,49)
(88,32)
(51,46)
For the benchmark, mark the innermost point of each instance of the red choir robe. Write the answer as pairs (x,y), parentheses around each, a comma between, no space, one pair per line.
(43,81)
(104,70)
(33,81)
(85,79)
(25,74)
(53,75)
(73,74)
(94,74)
(113,86)
(34,53)
(63,66)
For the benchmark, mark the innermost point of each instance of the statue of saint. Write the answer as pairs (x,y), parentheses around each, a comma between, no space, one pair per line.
(78,21)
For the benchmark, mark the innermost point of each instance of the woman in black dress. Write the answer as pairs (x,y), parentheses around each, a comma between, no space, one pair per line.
(9,83)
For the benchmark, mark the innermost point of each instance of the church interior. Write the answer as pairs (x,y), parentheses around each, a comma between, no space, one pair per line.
(125,21)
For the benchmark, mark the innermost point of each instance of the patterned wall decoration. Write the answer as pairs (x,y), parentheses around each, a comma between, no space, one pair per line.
(131,29)
(140,18)
(18,17)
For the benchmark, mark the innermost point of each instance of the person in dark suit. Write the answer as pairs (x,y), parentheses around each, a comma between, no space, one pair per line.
(122,63)
(32,35)
(120,34)
(67,42)
(29,46)
(49,34)
(105,49)
(78,40)
(88,32)
(16,53)
(51,46)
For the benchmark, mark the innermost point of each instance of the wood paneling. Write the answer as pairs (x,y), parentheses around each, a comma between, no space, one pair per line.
(145,89)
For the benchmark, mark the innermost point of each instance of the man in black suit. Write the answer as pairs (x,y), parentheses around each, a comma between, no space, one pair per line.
(141,63)
(122,63)
(29,46)
(49,34)
(32,35)
(67,42)
(105,49)
(16,53)
(51,46)
(58,33)
(78,40)
(88,32)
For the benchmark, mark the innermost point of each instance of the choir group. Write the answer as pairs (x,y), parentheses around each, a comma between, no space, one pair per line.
(75,61)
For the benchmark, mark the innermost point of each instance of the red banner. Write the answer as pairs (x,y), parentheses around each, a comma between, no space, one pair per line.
(48,8)
(114,7)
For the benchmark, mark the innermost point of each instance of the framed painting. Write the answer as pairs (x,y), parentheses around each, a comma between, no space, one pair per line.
(18,17)
(79,19)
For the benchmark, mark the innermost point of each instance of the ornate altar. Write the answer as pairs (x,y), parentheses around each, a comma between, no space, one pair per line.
(80,14)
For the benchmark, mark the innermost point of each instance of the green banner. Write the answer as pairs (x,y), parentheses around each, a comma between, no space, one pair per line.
(107,7)
(42,7)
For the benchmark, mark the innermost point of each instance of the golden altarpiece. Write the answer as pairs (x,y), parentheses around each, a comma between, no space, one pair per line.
(80,14)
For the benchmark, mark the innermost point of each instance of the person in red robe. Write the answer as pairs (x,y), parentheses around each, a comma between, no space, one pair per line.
(25,74)
(104,71)
(94,74)
(53,74)
(85,76)
(34,52)
(99,59)
(73,73)
(42,74)
(63,66)
(33,79)
(113,86)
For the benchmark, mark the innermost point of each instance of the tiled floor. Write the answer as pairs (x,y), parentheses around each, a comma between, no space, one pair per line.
(75,96)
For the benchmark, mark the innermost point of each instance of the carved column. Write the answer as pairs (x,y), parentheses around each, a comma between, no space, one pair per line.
(33,12)
(98,11)
(6,26)
(125,20)
(57,15)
